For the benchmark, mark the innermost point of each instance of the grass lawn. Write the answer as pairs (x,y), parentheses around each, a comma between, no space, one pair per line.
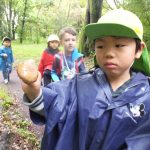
(27,51)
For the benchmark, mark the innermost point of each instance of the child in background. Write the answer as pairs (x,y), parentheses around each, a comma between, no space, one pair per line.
(6,59)
(46,61)
(68,63)
(108,109)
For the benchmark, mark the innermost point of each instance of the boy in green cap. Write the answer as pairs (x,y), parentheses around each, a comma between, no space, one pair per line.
(108,109)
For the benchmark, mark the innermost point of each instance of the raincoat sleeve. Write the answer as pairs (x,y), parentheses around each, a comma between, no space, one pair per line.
(2,52)
(56,101)
(12,57)
(56,97)
(1,59)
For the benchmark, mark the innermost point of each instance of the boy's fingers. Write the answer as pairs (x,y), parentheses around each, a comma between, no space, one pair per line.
(33,89)
(37,82)
(27,71)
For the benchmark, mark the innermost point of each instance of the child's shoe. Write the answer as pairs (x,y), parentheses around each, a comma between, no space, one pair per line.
(5,81)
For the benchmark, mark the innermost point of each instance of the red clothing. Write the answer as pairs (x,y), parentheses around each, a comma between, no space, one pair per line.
(46,60)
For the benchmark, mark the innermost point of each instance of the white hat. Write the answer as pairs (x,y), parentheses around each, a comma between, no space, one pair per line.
(53,37)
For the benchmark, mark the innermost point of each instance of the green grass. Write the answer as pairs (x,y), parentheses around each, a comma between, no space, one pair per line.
(5,100)
(23,52)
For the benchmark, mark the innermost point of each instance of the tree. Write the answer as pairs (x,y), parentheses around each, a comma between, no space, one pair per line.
(93,13)
(1,18)
(23,20)
(8,16)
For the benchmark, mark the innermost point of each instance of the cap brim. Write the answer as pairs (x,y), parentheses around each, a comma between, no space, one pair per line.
(95,30)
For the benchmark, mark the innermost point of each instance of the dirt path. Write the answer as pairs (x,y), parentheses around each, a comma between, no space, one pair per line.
(14,88)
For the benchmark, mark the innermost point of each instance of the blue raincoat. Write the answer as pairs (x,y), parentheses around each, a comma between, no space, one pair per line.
(82,114)
(6,62)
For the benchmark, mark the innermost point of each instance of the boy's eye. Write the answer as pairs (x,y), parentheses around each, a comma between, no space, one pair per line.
(120,45)
(67,40)
(99,46)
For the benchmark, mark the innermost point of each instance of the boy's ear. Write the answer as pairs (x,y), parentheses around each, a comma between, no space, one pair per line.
(140,50)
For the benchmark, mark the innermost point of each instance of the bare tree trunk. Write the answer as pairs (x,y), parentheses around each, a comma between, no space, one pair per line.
(95,10)
(8,14)
(87,15)
(1,19)
(68,13)
(37,27)
(93,13)
(23,21)
(13,26)
(59,4)
(10,19)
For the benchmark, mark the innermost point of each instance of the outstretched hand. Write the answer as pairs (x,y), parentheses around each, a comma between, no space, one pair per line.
(32,90)
(30,77)
(27,71)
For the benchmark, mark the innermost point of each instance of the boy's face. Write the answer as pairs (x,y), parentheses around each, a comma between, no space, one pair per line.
(116,55)
(6,43)
(54,44)
(68,41)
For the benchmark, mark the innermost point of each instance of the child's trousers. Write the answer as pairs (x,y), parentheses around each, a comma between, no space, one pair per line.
(47,77)
(6,72)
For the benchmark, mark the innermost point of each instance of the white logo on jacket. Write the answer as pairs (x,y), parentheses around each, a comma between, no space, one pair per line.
(137,110)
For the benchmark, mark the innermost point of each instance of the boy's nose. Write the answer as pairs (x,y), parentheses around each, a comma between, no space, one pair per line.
(70,42)
(109,53)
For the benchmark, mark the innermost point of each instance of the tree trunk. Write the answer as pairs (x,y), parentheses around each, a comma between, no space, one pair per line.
(93,13)
(8,14)
(95,10)
(87,15)
(23,21)
(13,26)
(10,19)
(37,27)
(68,13)
(1,19)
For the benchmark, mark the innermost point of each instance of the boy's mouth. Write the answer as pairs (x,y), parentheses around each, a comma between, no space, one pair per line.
(110,65)
(70,48)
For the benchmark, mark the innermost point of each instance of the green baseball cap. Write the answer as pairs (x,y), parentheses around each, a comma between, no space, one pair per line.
(121,23)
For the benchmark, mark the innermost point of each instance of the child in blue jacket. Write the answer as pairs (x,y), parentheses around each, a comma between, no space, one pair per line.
(107,109)
(6,59)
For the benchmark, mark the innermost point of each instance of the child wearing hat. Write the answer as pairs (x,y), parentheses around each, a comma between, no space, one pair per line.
(107,109)
(6,59)
(46,61)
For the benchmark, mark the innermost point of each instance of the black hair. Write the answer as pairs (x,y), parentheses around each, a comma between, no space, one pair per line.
(6,39)
(138,44)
